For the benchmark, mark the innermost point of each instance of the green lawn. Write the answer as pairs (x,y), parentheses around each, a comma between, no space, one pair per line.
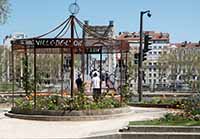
(6,87)
(183,122)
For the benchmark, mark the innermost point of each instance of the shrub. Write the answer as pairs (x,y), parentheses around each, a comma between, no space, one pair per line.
(191,105)
(79,102)
(126,93)
(24,104)
(5,99)
(173,117)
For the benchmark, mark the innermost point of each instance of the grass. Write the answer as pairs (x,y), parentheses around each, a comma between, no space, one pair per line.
(165,123)
(159,100)
(169,120)
(4,87)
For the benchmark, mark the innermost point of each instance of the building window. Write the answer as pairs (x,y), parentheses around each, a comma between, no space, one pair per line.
(149,74)
(155,47)
(150,63)
(149,80)
(154,53)
(159,53)
(150,69)
(154,69)
(154,81)
(154,74)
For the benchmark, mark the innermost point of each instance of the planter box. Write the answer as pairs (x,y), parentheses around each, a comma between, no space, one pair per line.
(17,110)
(53,115)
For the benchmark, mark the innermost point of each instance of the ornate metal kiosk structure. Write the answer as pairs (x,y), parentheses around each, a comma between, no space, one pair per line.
(61,45)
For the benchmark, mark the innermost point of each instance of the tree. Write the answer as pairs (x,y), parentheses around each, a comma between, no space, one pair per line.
(4,11)
(4,60)
(1,62)
(181,64)
(27,80)
(128,89)
(167,65)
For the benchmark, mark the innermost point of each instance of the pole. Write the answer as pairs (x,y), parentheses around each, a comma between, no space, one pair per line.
(87,62)
(83,55)
(72,56)
(100,68)
(13,75)
(26,70)
(62,71)
(121,72)
(34,76)
(140,59)
(126,73)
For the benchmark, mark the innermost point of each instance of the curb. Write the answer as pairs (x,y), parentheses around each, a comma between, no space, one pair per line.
(154,105)
(147,135)
(160,129)
(66,118)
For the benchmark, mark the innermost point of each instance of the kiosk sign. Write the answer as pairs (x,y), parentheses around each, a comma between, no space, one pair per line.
(58,42)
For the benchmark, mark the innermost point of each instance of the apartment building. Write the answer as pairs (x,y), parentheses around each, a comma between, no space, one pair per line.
(160,41)
(183,65)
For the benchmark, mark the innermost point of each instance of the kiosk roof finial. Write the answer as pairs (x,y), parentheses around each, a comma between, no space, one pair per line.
(74,8)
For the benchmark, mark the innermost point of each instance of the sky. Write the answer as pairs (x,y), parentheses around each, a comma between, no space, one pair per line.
(180,18)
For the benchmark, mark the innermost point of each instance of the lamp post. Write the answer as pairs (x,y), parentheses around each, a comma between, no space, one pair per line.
(140,70)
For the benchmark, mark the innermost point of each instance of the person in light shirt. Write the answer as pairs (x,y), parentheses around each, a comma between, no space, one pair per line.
(95,85)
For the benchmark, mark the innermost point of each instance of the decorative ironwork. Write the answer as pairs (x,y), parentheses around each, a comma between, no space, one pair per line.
(74,8)
(99,44)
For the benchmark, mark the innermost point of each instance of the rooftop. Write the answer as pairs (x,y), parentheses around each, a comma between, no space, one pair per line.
(136,36)
(187,45)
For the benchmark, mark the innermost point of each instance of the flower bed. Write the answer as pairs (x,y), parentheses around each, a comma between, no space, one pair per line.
(57,108)
(17,110)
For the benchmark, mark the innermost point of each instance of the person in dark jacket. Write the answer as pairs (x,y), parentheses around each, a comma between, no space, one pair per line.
(79,82)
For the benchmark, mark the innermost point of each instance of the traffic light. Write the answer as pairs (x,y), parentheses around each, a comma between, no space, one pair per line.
(136,58)
(147,42)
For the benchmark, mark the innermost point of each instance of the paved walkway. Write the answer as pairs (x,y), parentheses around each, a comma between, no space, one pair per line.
(26,129)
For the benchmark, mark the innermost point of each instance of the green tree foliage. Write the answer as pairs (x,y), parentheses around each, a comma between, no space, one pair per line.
(127,89)
(27,80)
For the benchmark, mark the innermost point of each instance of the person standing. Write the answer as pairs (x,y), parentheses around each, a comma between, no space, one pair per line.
(79,83)
(95,84)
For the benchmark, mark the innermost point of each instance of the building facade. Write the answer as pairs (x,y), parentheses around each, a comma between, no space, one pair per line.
(183,65)
(160,41)
(107,31)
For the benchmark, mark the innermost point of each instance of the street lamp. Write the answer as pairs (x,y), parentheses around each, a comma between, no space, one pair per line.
(140,70)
